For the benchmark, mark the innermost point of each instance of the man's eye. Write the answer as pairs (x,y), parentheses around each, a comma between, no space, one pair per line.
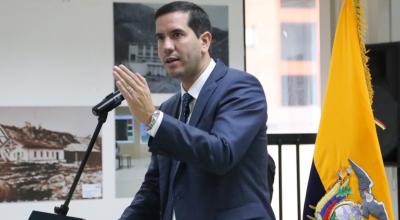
(159,38)
(177,35)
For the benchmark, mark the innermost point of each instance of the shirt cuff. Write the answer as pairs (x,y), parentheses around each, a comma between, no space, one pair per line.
(153,131)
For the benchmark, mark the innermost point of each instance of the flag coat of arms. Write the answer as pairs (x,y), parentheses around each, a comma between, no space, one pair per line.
(347,178)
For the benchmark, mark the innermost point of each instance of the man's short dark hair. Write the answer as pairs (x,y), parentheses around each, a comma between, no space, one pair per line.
(198,18)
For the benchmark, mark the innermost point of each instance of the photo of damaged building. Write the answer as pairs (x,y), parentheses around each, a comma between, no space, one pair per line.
(40,164)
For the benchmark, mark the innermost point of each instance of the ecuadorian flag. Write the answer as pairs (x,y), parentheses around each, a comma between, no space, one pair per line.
(347,178)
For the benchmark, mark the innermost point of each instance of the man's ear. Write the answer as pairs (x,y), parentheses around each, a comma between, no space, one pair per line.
(205,39)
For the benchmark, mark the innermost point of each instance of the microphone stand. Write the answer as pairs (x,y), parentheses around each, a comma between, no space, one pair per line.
(61,212)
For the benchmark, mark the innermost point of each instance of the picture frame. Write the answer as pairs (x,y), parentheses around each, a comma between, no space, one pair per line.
(135,46)
(41,149)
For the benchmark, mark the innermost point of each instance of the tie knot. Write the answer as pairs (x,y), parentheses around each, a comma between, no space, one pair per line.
(186,99)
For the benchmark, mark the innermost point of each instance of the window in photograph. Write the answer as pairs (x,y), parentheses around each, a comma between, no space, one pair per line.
(124,129)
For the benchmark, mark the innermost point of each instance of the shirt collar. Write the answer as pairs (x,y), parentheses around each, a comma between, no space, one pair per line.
(195,89)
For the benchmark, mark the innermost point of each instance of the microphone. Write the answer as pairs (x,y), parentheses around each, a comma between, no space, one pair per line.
(110,102)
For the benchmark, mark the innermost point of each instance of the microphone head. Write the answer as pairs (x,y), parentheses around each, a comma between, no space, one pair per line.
(110,102)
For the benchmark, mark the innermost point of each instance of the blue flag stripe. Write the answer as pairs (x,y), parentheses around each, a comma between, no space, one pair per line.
(315,191)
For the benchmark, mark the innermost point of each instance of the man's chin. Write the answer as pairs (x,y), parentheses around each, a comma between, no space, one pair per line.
(175,74)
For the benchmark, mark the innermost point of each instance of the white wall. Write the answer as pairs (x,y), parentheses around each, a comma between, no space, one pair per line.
(326,41)
(395,19)
(55,52)
(60,53)
(377,15)
(383,19)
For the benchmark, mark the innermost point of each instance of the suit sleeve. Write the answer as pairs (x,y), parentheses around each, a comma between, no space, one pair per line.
(146,204)
(239,115)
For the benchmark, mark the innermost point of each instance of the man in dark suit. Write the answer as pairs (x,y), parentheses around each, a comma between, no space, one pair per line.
(208,142)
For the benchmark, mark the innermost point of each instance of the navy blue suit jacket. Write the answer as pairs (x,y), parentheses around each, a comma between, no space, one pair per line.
(221,173)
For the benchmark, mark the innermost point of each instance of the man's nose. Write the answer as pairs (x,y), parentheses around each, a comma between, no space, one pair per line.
(168,45)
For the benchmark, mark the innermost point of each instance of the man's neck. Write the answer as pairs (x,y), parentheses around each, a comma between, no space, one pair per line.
(187,83)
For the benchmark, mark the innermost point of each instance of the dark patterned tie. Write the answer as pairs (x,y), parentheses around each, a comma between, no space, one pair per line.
(185,111)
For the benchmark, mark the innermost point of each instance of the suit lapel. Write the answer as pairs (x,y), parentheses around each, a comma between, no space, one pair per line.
(206,92)
(174,108)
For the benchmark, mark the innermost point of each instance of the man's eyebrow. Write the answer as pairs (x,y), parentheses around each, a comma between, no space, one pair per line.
(158,35)
(177,30)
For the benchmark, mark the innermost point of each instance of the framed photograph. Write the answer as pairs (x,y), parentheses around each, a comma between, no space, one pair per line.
(41,149)
(136,47)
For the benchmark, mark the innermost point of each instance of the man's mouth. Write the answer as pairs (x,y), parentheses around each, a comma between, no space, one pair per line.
(171,60)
